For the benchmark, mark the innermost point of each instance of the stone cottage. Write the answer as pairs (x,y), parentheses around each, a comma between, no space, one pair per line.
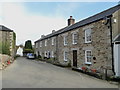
(91,45)
(7,43)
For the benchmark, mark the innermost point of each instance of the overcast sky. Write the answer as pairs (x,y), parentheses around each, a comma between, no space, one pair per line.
(30,20)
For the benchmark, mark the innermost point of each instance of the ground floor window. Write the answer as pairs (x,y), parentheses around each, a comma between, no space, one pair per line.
(48,54)
(45,54)
(36,53)
(65,55)
(88,56)
(40,54)
(52,54)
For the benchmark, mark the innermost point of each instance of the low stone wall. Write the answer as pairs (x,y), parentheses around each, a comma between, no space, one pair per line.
(5,60)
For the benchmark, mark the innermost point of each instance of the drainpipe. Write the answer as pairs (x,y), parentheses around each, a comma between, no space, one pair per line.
(57,48)
(110,22)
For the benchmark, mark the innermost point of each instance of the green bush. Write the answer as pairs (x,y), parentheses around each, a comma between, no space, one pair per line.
(39,56)
(5,48)
(28,50)
(14,40)
(28,47)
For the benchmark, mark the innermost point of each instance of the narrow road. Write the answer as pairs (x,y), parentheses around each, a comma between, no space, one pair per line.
(24,73)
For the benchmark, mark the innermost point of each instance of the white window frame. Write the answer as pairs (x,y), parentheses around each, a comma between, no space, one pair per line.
(45,54)
(53,41)
(65,56)
(36,45)
(45,42)
(52,54)
(73,38)
(48,54)
(40,53)
(86,57)
(40,43)
(65,40)
(89,30)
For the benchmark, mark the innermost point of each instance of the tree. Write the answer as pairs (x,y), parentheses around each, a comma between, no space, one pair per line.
(28,47)
(28,44)
(5,48)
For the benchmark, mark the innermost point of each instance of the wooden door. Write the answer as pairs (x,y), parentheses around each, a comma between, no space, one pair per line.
(75,58)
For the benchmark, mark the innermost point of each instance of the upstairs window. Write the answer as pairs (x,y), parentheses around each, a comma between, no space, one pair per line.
(75,38)
(88,57)
(36,45)
(88,36)
(53,41)
(65,40)
(41,44)
(45,42)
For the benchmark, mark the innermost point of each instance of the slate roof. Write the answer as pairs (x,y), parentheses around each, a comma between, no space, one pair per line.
(117,39)
(3,28)
(86,21)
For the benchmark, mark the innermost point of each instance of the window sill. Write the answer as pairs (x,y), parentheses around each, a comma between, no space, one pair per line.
(65,44)
(89,63)
(88,42)
(65,60)
(74,43)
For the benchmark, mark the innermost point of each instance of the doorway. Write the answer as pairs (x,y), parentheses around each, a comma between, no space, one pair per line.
(75,58)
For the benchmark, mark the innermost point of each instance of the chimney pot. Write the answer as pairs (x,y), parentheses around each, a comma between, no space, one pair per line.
(53,31)
(71,21)
(42,36)
(70,17)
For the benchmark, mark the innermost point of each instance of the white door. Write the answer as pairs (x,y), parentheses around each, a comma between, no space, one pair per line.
(117,59)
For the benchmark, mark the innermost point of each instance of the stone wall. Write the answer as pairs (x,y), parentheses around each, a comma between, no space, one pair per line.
(7,45)
(100,46)
(48,48)
(116,24)
(7,37)
(4,59)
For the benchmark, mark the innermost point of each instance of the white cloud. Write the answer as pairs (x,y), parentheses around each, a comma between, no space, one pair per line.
(66,8)
(26,25)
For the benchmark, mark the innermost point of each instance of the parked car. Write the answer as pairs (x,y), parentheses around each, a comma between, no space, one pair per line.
(30,56)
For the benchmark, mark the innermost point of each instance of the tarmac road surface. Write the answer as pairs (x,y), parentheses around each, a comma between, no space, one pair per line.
(25,73)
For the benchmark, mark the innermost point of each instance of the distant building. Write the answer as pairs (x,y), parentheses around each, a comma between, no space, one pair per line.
(7,36)
(91,45)
(20,51)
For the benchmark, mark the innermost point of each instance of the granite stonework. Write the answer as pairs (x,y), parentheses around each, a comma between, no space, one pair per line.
(48,51)
(7,36)
(103,32)
(100,46)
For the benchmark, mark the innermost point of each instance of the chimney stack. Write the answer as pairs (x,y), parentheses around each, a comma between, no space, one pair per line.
(53,31)
(42,36)
(71,21)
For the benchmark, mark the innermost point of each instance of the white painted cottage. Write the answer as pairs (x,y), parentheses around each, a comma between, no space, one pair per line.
(20,51)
